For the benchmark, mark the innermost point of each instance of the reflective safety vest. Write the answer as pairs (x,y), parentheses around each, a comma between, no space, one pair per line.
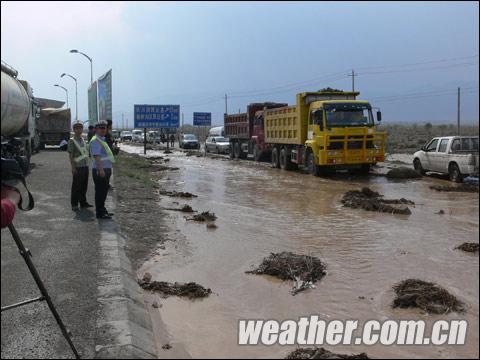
(106,147)
(83,150)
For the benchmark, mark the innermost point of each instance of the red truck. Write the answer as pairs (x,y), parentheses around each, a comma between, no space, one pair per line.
(246,131)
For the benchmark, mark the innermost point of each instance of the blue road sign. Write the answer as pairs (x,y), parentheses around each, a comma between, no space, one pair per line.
(202,119)
(156,116)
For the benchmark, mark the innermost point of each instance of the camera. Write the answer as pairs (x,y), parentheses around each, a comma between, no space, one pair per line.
(15,168)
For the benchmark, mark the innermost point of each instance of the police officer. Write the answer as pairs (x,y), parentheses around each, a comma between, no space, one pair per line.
(101,168)
(78,153)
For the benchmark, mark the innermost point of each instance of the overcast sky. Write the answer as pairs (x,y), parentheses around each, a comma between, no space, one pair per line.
(410,57)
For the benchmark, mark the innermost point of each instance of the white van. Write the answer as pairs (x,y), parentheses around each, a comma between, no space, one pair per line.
(137,135)
(216,131)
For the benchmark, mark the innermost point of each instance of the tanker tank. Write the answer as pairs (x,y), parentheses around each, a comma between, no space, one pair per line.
(15,104)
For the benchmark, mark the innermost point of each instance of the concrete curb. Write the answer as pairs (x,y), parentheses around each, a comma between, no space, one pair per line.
(124,328)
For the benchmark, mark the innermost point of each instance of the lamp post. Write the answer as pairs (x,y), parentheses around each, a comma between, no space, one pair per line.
(66,91)
(75,51)
(76,94)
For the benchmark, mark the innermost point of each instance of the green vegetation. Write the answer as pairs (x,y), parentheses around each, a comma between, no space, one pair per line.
(134,167)
(408,138)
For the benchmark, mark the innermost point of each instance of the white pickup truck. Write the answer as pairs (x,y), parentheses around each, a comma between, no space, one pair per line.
(456,156)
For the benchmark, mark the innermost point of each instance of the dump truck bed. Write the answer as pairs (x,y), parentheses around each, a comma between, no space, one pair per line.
(54,125)
(284,126)
(240,126)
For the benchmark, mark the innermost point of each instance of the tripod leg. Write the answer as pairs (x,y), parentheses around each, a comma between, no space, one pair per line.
(26,256)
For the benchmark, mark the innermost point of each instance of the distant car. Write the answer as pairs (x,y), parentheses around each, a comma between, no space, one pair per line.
(189,141)
(115,134)
(217,144)
(456,156)
(137,135)
(153,137)
(126,136)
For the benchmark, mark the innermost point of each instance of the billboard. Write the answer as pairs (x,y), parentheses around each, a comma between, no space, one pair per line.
(105,96)
(92,104)
(156,116)
(202,119)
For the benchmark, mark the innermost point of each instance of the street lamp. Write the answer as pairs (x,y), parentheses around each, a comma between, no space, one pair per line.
(66,91)
(74,51)
(76,94)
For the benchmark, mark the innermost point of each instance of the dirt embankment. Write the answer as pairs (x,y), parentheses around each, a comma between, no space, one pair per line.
(139,214)
(372,201)
(322,353)
(304,270)
(458,188)
(430,297)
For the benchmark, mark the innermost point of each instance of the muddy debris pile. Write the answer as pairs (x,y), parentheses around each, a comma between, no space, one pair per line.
(430,297)
(459,188)
(304,270)
(194,153)
(190,290)
(468,247)
(370,200)
(204,216)
(185,208)
(159,167)
(403,172)
(180,194)
(322,353)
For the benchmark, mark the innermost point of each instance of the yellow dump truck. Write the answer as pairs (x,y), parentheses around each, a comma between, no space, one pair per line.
(326,130)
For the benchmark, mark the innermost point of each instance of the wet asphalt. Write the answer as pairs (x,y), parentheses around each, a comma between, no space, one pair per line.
(64,246)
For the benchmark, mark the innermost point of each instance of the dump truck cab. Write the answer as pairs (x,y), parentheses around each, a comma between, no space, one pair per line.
(343,133)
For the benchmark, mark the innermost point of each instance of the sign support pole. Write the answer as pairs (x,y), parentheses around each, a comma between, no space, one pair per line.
(144,141)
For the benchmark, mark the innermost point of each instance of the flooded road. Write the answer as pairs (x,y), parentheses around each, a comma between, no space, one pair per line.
(262,210)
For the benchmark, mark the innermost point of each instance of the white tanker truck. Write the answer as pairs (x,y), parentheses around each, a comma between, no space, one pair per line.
(19,112)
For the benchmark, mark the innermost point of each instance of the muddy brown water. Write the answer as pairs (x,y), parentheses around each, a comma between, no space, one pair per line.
(262,210)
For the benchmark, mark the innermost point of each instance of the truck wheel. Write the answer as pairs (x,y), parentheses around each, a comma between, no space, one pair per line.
(417,165)
(285,163)
(364,169)
(231,151)
(454,173)
(42,146)
(236,150)
(257,153)
(313,169)
(242,154)
(275,158)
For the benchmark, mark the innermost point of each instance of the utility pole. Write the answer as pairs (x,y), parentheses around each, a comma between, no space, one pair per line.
(458,111)
(123,123)
(182,121)
(353,81)
(226,108)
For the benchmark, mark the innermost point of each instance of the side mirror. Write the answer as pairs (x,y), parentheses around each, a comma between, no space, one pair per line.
(379,116)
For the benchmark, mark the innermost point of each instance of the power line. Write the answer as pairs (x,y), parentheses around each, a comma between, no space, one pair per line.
(418,63)
(295,84)
(311,83)
(420,69)
(406,98)
(325,78)
(433,92)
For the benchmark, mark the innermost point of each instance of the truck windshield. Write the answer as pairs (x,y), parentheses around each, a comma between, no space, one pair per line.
(346,115)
